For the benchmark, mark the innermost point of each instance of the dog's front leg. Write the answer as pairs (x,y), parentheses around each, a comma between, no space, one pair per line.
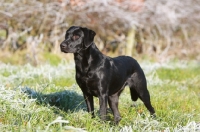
(90,104)
(103,99)
(113,103)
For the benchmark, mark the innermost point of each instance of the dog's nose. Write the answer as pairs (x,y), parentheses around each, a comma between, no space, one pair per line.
(62,45)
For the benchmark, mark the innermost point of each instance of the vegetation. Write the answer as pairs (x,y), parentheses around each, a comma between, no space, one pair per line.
(38,91)
(158,28)
(46,98)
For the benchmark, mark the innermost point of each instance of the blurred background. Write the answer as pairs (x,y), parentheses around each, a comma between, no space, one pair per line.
(157,30)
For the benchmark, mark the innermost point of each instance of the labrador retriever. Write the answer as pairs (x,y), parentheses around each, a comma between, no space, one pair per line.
(102,76)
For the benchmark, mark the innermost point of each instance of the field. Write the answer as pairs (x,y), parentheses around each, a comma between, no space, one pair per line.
(47,98)
(38,92)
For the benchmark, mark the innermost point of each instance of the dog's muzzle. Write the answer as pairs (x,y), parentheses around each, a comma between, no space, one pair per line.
(63,47)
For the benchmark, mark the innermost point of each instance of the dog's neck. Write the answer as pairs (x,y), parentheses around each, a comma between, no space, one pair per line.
(88,57)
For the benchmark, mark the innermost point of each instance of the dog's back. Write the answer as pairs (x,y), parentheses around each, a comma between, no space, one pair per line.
(127,65)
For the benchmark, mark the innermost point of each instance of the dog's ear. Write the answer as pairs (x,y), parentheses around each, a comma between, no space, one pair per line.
(88,37)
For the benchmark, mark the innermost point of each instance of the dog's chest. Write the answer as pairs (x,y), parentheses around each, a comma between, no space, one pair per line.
(88,81)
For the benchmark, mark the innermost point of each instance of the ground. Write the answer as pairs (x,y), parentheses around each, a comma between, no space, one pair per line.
(46,97)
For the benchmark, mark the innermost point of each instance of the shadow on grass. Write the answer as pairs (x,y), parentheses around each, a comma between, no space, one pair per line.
(66,100)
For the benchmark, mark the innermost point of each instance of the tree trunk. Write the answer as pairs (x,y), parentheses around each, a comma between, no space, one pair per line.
(130,41)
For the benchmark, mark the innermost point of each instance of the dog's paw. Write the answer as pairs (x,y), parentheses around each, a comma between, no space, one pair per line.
(117,120)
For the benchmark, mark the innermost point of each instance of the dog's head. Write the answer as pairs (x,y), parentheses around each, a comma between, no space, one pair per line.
(76,39)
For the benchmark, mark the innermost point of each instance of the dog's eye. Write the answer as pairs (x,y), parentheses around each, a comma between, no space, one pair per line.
(75,37)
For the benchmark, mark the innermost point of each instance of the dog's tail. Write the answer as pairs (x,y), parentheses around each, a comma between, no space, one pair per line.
(134,94)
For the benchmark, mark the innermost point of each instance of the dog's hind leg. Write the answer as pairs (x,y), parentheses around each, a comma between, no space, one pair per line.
(145,97)
(138,88)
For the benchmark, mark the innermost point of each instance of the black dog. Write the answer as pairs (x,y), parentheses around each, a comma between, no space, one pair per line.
(104,77)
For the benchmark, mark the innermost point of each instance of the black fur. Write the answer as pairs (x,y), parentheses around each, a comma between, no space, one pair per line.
(104,77)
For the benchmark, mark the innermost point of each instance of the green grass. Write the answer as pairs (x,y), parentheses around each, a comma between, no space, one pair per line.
(46,98)
(178,74)
(53,59)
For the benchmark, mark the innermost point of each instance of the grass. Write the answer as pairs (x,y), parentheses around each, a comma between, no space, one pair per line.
(46,98)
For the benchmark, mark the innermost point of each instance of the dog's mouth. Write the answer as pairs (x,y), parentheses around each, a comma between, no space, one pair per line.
(65,51)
